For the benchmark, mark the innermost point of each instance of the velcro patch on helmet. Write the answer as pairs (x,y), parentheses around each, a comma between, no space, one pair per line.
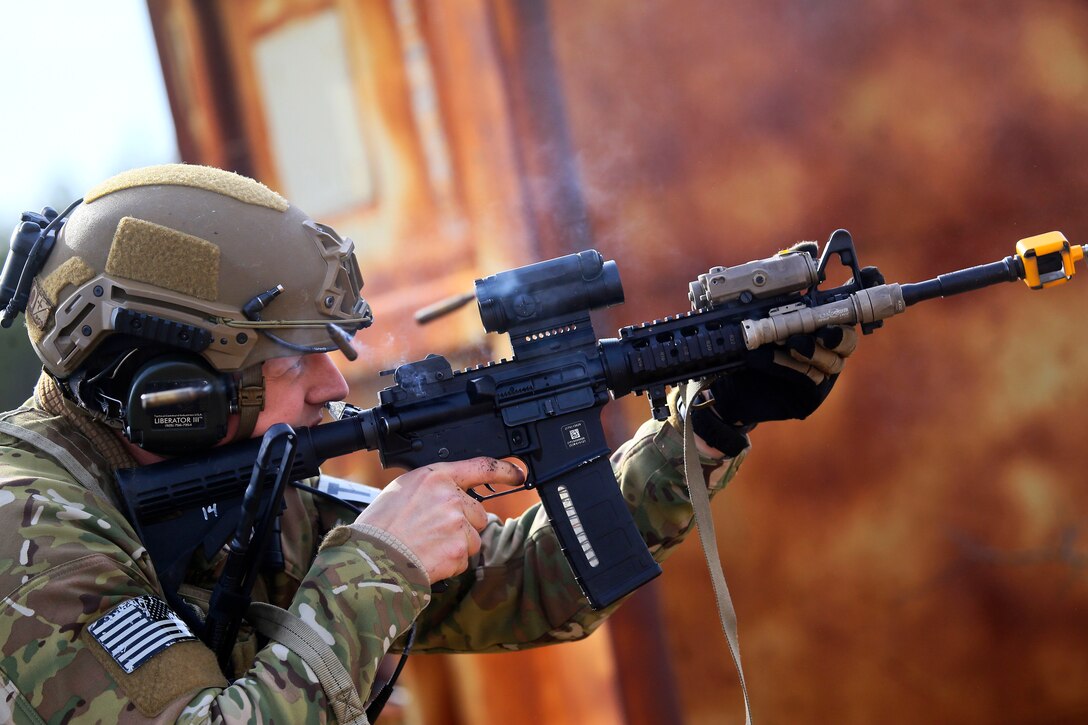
(242,188)
(44,293)
(73,272)
(146,252)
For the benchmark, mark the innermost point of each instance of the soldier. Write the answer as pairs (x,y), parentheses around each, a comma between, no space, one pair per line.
(174,272)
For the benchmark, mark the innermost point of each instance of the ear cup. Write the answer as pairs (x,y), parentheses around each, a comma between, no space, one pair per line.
(178,404)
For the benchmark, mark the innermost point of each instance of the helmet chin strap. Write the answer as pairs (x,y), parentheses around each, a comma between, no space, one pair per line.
(250,400)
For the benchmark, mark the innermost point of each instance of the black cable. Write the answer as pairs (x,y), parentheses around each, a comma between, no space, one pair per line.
(326,495)
(378,703)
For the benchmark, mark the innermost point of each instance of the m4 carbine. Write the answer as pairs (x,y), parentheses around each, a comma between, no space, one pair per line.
(543,406)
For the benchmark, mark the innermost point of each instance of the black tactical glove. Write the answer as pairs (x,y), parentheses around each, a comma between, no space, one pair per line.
(777,382)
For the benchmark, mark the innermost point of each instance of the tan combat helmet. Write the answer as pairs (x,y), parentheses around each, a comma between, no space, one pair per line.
(190,258)
(197,258)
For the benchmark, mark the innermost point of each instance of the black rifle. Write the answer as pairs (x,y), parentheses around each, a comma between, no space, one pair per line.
(543,406)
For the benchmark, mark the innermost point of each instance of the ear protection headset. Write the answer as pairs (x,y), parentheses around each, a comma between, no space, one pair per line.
(166,401)
(177,404)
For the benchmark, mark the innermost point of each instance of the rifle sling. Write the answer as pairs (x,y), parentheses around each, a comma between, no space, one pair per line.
(290,631)
(704,521)
(62,456)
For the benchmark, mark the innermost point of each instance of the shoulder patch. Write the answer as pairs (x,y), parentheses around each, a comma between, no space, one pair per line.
(138,629)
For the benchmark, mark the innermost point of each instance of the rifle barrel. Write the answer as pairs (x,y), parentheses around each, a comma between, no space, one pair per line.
(1009,269)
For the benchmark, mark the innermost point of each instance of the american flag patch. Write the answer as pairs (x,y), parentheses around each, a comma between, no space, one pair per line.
(138,629)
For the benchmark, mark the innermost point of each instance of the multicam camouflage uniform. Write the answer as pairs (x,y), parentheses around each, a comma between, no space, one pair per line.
(68,556)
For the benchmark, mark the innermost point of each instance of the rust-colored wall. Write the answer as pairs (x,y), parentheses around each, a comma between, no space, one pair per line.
(911,553)
(914,551)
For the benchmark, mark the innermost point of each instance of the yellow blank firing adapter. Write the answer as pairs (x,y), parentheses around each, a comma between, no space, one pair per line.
(1048,259)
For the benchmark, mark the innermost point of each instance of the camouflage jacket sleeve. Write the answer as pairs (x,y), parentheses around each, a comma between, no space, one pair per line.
(67,558)
(520,592)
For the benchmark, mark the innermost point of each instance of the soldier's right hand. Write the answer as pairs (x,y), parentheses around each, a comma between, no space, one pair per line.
(430,511)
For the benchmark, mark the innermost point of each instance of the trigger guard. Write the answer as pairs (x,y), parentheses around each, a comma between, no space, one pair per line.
(494,494)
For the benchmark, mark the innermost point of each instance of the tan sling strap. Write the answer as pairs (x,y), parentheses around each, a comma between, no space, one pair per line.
(290,631)
(704,521)
(62,456)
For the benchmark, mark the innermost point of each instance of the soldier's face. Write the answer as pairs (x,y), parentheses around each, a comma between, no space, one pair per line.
(297,388)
